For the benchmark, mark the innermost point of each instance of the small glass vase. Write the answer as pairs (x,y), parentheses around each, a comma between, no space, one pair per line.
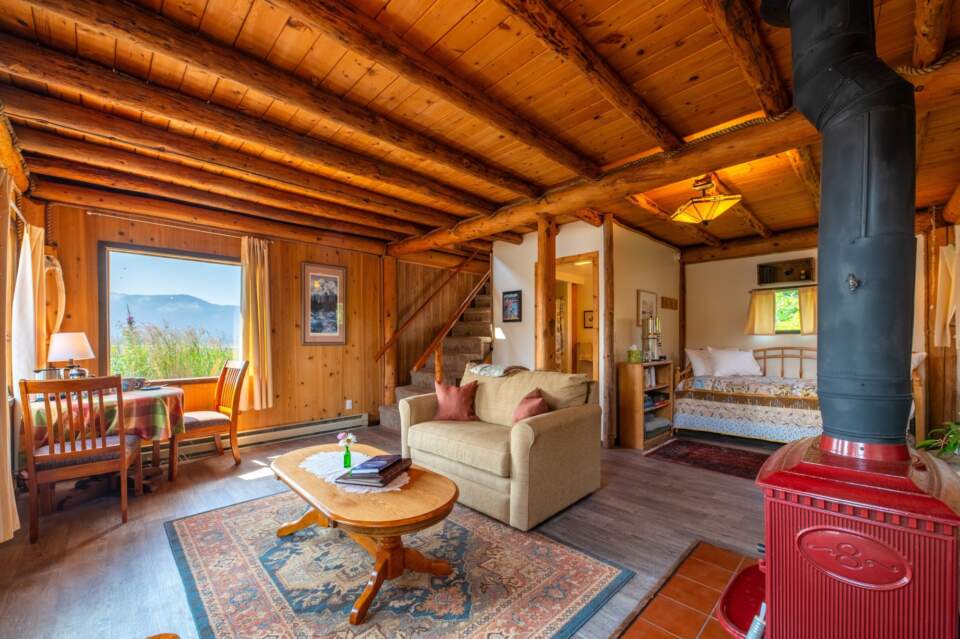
(346,457)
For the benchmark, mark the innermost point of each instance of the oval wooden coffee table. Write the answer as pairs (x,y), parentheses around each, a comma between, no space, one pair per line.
(376,521)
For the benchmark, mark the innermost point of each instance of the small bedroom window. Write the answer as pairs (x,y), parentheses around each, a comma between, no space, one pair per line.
(786,303)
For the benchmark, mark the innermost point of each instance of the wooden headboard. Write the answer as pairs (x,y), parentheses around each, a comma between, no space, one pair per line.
(773,360)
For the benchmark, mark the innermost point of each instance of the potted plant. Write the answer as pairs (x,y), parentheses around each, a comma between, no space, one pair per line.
(945,440)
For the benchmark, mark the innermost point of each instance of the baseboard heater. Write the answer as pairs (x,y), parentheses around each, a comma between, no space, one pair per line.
(205,445)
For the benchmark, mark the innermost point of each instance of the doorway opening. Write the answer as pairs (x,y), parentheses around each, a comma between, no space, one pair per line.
(578,314)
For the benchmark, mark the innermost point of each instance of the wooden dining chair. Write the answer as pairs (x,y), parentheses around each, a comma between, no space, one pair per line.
(223,419)
(72,442)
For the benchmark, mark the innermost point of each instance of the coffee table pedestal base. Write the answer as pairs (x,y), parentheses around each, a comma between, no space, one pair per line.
(390,560)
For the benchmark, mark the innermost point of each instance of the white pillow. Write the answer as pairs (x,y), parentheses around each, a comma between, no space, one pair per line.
(733,362)
(701,362)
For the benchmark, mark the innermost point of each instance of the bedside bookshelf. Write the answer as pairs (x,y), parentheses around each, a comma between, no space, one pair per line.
(635,418)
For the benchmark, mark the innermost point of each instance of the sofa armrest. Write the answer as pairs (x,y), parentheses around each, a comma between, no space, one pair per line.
(415,410)
(555,460)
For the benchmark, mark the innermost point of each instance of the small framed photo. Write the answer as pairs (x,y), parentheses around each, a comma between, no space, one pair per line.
(324,304)
(588,319)
(512,306)
(646,306)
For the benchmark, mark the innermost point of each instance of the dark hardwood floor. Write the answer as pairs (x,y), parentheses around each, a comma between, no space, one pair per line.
(90,577)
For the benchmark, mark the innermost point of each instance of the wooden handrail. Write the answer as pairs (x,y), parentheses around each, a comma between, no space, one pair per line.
(406,323)
(438,340)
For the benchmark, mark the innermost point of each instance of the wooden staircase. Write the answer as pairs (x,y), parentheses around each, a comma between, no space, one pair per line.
(469,340)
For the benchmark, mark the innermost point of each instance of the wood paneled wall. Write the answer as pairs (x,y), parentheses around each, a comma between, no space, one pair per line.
(310,382)
(414,283)
(941,364)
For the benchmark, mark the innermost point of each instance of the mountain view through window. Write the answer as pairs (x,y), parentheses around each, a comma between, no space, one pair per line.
(171,316)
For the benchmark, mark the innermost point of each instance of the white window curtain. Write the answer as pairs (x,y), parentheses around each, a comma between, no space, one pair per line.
(255,306)
(29,331)
(946,302)
(9,521)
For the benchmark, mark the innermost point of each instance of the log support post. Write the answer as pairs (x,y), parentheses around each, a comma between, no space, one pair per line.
(546,303)
(389,328)
(608,381)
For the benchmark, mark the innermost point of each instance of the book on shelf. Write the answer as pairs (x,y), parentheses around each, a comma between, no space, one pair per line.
(376,481)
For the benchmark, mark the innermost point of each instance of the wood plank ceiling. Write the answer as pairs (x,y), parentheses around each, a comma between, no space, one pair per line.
(386,119)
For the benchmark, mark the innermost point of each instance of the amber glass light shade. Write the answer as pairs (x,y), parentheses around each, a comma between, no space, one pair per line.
(703,208)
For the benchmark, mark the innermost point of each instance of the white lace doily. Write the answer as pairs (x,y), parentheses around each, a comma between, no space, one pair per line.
(329,465)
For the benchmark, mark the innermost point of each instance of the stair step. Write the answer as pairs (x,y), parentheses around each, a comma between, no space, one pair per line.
(478,315)
(467,344)
(412,390)
(471,329)
(390,417)
(423,377)
(482,301)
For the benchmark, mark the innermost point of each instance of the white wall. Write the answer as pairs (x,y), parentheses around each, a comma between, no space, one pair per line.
(718,295)
(641,263)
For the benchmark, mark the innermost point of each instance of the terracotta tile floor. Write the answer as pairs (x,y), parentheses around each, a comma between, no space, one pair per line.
(685,606)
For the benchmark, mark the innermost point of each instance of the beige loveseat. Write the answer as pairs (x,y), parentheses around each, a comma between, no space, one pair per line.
(518,473)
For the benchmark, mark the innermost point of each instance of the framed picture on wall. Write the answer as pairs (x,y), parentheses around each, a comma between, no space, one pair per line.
(646,305)
(588,319)
(512,306)
(324,297)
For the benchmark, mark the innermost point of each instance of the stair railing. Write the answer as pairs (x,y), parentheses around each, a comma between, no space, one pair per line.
(436,346)
(407,322)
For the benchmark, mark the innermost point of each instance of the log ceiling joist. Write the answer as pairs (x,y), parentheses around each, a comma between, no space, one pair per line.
(36,110)
(739,27)
(592,217)
(803,164)
(125,21)
(231,223)
(654,209)
(25,59)
(10,159)
(40,142)
(742,209)
(951,212)
(355,30)
(553,29)
(931,20)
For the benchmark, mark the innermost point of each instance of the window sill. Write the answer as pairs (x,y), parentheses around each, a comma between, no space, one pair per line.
(184,381)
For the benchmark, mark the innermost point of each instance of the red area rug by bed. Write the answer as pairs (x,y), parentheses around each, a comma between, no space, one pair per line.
(722,459)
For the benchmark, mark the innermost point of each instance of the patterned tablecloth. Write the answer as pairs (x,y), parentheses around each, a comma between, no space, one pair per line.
(151,414)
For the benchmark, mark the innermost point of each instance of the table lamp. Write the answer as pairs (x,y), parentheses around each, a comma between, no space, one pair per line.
(67,347)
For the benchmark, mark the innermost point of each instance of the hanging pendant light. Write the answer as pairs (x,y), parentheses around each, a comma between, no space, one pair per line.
(703,208)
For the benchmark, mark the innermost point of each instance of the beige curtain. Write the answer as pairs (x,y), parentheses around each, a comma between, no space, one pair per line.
(760,315)
(946,302)
(9,521)
(29,332)
(808,310)
(255,306)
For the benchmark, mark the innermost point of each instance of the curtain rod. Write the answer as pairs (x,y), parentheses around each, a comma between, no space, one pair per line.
(780,288)
(14,194)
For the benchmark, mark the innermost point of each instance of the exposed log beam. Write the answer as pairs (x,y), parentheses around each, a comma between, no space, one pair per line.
(592,217)
(755,222)
(10,159)
(351,27)
(931,20)
(552,28)
(951,212)
(933,91)
(104,178)
(792,240)
(545,306)
(654,209)
(36,110)
(48,144)
(447,261)
(218,221)
(126,21)
(803,164)
(739,26)
(27,60)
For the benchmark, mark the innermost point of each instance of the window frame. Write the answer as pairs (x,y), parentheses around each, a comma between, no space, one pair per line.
(781,289)
(103,294)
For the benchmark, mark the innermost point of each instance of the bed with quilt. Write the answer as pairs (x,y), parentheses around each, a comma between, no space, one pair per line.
(768,394)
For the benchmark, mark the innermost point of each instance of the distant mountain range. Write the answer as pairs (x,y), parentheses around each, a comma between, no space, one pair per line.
(176,311)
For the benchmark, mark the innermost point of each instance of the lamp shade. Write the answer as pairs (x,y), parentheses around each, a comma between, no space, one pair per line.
(702,209)
(69,346)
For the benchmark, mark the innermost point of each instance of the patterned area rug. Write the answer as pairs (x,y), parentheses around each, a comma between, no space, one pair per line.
(722,459)
(244,581)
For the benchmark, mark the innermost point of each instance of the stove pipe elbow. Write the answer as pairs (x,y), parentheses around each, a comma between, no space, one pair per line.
(866,114)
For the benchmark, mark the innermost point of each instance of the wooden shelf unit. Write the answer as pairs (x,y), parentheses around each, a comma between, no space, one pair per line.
(634,415)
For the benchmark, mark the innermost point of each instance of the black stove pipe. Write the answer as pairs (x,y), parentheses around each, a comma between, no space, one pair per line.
(867,252)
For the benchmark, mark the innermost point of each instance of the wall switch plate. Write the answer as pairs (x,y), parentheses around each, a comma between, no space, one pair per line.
(349,404)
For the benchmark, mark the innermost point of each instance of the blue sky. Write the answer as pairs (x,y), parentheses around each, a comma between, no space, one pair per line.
(138,274)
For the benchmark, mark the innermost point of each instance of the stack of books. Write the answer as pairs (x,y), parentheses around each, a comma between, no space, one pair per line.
(377,471)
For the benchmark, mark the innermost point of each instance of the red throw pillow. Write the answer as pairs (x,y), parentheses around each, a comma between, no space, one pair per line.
(531,405)
(455,403)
